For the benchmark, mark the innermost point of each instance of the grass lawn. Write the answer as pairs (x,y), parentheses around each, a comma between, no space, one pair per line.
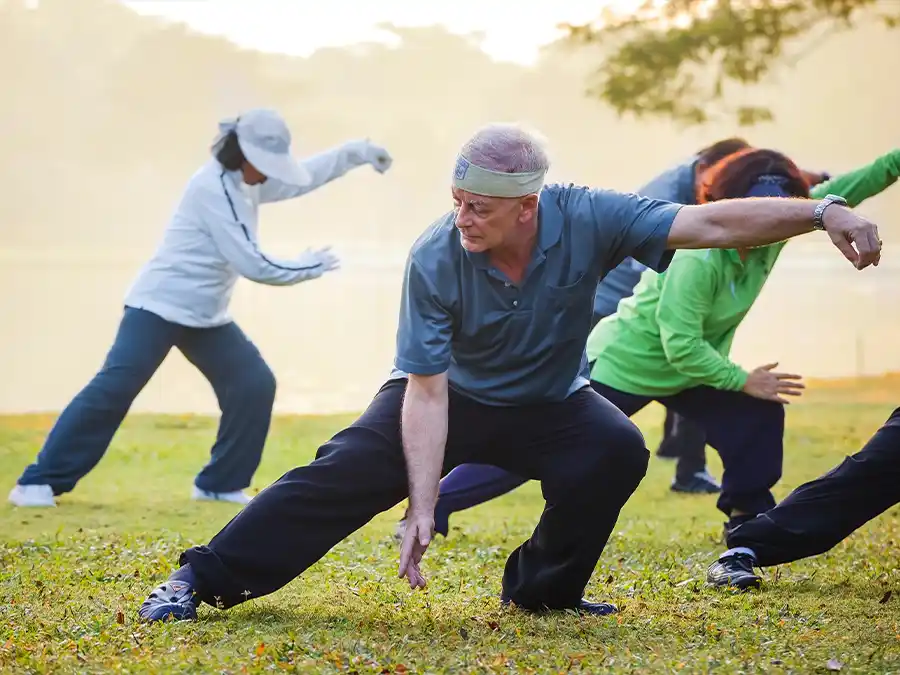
(71,578)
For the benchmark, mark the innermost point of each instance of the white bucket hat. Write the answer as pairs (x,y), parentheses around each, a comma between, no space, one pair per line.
(265,140)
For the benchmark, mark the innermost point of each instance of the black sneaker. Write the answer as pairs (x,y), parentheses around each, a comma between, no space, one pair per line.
(584,607)
(175,600)
(733,571)
(701,483)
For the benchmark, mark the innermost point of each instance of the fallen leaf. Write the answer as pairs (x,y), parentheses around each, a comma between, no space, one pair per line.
(493,625)
(887,596)
(260,648)
(400,668)
(834,665)
(120,617)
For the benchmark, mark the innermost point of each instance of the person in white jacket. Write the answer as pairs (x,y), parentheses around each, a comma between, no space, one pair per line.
(180,299)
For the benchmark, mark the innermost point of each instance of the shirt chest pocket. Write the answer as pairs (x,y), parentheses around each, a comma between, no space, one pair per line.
(568,308)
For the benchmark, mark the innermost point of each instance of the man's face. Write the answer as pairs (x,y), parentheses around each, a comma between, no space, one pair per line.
(485,223)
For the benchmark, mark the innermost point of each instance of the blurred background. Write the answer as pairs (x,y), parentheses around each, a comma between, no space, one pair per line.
(109,107)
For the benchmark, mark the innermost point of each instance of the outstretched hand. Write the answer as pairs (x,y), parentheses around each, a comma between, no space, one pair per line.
(378,157)
(768,385)
(326,258)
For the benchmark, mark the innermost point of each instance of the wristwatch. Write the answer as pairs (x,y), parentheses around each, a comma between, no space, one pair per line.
(819,214)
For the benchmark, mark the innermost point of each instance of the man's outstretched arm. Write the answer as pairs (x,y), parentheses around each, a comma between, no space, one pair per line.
(746,223)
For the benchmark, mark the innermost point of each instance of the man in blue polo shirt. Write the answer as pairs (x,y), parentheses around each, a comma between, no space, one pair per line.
(490,367)
(471,484)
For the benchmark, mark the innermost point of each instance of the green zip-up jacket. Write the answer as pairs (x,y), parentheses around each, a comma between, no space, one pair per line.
(676,331)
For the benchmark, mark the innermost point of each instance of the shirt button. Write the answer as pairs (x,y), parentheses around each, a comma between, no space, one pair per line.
(507,284)
(515,303)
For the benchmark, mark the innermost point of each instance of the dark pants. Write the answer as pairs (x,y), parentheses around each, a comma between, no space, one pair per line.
(243,384)
(820,514)
(571,447)
(747,432)
(684,440)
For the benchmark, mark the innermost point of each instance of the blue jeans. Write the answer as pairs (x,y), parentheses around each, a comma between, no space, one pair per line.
(243,383)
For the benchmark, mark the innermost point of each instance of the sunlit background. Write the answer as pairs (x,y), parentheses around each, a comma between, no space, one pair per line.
(110,106)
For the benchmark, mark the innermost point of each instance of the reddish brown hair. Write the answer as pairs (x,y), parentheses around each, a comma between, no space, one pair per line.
(721,149)
(732,177)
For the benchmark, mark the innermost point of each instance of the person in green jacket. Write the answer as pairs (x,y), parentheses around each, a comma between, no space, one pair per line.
(670,341)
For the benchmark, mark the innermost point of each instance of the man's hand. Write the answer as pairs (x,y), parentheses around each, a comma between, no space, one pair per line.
(846,228)
(769,386)
(419,531)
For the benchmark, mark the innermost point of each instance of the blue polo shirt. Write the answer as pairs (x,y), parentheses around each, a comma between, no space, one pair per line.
(506,344)
(676,184)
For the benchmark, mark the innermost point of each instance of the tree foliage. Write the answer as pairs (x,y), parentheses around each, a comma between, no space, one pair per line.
(674,58)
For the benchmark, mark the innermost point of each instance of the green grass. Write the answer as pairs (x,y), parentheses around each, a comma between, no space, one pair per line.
(71,578)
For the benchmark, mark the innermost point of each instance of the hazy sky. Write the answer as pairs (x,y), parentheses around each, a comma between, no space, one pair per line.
(513,31)
(66,262)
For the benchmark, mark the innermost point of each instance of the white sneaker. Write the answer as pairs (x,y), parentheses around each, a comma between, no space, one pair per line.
(32,495)
(238,497)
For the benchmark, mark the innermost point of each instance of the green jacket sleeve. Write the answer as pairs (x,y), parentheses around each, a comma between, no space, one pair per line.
(686,297)
(857,186)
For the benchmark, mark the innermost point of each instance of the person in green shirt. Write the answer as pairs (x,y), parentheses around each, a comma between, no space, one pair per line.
(670,341)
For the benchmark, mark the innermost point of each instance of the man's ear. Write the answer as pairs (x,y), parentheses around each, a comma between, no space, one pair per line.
(529,206)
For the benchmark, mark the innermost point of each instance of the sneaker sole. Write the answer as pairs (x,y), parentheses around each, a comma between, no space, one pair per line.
(173,611)
(740,586)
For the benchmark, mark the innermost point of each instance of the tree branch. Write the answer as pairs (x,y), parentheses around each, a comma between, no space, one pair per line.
(675,59)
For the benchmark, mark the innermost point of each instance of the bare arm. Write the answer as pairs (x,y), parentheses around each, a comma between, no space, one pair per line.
(751,222)
(424,430)
(423,425)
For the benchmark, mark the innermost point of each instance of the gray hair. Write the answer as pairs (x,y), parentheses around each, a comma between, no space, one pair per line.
(509,148)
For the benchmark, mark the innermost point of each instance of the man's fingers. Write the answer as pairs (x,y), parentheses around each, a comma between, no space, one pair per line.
(845,247)
(768,366)
(787,376)
(415,577)
(867,248)
(874,243)
(406,550)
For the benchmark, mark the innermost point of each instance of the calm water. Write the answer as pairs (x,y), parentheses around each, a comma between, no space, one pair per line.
(330,341)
